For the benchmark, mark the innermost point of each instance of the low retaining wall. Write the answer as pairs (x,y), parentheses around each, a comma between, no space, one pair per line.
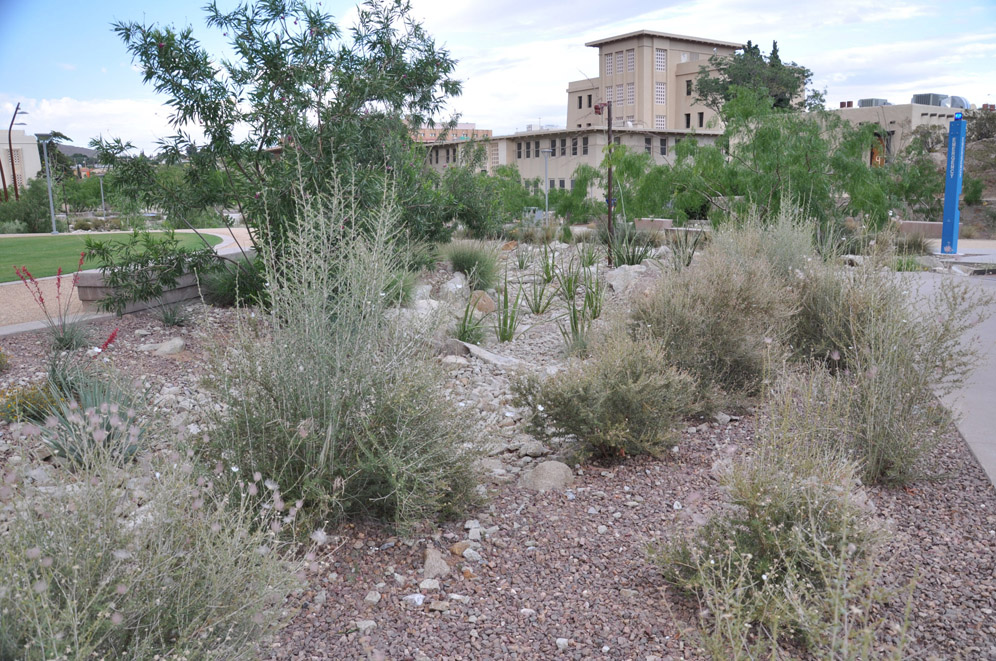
(929,229)
(654,224)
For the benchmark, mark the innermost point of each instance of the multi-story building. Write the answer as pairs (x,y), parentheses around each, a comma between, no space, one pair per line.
(25,163)
(897,123)
(459,133)
(647,76)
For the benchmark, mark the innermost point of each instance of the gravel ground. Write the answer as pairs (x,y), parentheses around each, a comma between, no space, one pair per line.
(562,574)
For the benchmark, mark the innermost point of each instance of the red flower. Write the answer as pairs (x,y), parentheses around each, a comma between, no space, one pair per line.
(110,338)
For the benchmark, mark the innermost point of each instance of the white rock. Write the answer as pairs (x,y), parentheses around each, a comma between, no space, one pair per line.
(435,565)
(414,599)
(364,625)
(472,555)
(170,347)
(546,476)
(372,597)
(471,524)
(428,584)
(562,644)
(527,612)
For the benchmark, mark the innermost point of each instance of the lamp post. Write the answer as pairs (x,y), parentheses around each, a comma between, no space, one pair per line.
(10,147)
(103,207)
(45,139)
(546,183)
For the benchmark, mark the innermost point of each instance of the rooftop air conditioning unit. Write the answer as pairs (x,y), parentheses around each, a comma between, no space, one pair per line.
(960,102)
(929,99)
(872,103)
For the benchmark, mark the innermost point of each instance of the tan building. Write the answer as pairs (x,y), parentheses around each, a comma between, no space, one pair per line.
(897,123)
(26,162)
(647,76)
(458,133)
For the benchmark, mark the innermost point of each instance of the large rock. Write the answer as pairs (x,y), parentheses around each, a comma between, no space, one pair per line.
(435,565)
(548,476)
(167,348)
(482,302)
(622,278)
(506,362)
(454,286)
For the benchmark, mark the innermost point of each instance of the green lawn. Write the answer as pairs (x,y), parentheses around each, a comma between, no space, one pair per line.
(43,255)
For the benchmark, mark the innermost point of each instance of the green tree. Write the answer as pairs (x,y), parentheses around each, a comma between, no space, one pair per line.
(784,84)
(298,104)
(577,206)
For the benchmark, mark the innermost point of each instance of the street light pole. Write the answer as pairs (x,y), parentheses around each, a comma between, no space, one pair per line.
(10,148)
(48,175)
(546,180)
(103,207)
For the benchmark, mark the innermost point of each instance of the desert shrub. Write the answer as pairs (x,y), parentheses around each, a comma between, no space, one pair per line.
(904,263)
(623,400)
(475,259)
(144,266)
(64,328)
(898,349)
(13,227)
(4,361)
(171,315)
(786,560)
(30,401)
(911,244)
(973,191)
(331,396)
(508,311)
(240,282)
(470,327)
(721,318)
(142,562)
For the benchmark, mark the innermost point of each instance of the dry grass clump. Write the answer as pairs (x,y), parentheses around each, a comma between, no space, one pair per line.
(721,319)
(335,395)
(792,561)
(147,561)
(623,400)
(478,260)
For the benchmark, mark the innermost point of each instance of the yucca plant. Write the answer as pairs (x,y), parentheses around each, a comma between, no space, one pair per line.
(569,278)
(594,293)
(588,254)
(523,257)
(548,264)
(470,328)
(507,314)
(575,333)
(539,301)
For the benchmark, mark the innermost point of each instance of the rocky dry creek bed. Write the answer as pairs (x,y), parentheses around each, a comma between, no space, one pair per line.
(563,572)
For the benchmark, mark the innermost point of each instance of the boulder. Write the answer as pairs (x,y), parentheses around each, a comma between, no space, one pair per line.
(169,347)
(547,476)
(454,286)
(620,279)
(435,565)
(482,302)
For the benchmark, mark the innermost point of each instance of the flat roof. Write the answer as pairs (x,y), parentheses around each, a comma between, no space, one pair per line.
(666,35)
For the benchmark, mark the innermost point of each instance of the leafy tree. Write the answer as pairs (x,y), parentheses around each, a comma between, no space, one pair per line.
(299,104)
(577,206)
(981,125)
(784,84)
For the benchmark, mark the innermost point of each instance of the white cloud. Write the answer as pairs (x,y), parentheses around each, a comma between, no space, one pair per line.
(141,121)
(65,66)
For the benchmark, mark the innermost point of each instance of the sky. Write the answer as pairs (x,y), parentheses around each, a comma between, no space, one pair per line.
(69,70)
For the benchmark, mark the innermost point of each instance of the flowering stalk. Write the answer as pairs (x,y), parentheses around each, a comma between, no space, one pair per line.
(110,338)
(61,320)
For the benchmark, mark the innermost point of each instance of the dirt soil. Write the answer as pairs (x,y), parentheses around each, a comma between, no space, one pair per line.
(571,564)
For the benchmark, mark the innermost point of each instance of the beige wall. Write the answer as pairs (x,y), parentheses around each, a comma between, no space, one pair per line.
(898,122)
(26,159)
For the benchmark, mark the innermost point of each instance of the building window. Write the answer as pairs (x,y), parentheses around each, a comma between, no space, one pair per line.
(608,64)
(572,184)
(619,95)
(437,155)
(518,150)
(684,56)
(660,122)
(562,184)
(529,147)
(574,147)
(584,146)
(688,88)
(537,149)
(631,93)
(701,119)
(563,146)
(553,147)
(631,60)
(660,59)
(579,102)
(660,93)
(688,120)
(447,154)
(663,146)
(589,100)
(552,184)
(619,62)
(647,144)
(617,140)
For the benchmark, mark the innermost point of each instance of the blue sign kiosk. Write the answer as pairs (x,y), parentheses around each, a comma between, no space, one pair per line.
(952,185)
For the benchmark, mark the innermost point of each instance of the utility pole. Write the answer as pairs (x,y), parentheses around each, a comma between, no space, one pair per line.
(10,147)
(607,106)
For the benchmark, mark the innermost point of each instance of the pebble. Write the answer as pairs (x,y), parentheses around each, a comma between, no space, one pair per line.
(562,644)
(372,598)
(602,530)
(428,584)
(439,606)
(364,625)
(472,555)
(414,599)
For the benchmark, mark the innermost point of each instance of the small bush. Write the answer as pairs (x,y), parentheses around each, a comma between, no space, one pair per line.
(912,245)
(171,315)
(238,283)
(13,227)
(4,361)
(475,259)
(470,327)
(973,191)
(720,319)
(622,401)
(27,402)
(137,563)
(330,395)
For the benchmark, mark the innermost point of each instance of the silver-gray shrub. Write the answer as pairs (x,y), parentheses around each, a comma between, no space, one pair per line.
(334,394)
(140,561)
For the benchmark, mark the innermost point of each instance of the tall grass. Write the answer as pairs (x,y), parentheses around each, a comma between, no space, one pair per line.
(477,260)
(330,396)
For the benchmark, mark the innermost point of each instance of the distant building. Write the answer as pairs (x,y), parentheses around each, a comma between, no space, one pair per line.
(460,132)
(897,123)
(649,79)
(26,162)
